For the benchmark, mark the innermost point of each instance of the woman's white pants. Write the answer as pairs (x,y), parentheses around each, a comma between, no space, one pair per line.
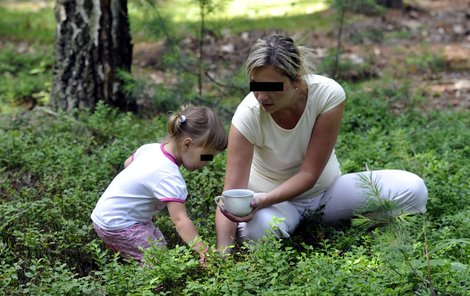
(346,195)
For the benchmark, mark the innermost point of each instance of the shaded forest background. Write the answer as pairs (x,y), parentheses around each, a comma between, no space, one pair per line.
(424,42)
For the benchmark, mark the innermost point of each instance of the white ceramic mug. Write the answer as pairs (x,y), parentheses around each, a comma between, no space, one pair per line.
(236,201)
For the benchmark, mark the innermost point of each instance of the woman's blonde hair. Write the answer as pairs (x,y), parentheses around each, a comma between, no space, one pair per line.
(285,53)
(199,123)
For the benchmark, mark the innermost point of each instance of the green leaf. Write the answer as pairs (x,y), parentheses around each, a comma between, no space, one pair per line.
(460,267)
(448,243)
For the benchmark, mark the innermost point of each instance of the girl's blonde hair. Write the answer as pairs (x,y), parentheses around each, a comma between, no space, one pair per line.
(199,123)
(285,53)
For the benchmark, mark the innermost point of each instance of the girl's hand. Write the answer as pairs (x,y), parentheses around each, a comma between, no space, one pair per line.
(202,257)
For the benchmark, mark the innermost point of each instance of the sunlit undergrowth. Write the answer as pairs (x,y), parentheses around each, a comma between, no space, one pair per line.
(26,74)
(54,168)
(36,25)
(233,15)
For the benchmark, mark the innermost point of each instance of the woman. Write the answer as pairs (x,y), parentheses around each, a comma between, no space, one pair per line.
(281,145)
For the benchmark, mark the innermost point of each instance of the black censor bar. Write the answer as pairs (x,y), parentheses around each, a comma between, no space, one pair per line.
(266,86)
(207,157)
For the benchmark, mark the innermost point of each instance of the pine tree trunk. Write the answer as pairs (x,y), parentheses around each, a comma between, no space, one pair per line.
(93,42)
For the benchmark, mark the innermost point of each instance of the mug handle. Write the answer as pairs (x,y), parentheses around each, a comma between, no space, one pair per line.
(217,200)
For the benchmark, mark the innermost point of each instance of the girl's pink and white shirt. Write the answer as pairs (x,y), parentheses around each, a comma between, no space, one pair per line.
(141,190)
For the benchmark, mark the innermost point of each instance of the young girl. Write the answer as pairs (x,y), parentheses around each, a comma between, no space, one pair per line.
(151,180)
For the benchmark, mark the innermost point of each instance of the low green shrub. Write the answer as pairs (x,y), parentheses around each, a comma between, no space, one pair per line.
(25,77)
(54,168)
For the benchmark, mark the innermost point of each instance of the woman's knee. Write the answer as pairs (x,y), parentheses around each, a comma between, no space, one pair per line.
(257,228)
(265,222)
(407,190)
(419,193)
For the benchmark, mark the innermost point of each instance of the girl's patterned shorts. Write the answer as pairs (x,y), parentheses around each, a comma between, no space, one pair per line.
(128,240)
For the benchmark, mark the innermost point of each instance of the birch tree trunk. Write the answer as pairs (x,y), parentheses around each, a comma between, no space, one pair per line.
(93,42)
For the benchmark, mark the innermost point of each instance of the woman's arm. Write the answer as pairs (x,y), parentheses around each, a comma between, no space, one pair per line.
(129,161)
(184,226)
(320,147)
(237,174)
(239,157)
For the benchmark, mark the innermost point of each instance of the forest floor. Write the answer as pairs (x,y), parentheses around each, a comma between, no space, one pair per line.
(427,43)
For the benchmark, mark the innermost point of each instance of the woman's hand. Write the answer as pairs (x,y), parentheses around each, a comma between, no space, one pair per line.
(256,204)
(237,219)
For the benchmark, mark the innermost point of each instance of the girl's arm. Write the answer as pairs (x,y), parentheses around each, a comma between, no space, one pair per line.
(184,226)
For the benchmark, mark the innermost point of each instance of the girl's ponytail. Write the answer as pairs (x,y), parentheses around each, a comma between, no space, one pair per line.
(199,123)
(175,124)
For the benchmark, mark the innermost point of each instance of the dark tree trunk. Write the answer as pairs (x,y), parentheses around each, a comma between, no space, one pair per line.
(93,42)
(391,3)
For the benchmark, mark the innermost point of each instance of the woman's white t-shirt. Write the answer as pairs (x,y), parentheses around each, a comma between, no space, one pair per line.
(140,190)
(278,152)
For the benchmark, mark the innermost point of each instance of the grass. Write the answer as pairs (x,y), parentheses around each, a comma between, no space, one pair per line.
(236,16)
(27,24)
(184,11)
(29,21)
